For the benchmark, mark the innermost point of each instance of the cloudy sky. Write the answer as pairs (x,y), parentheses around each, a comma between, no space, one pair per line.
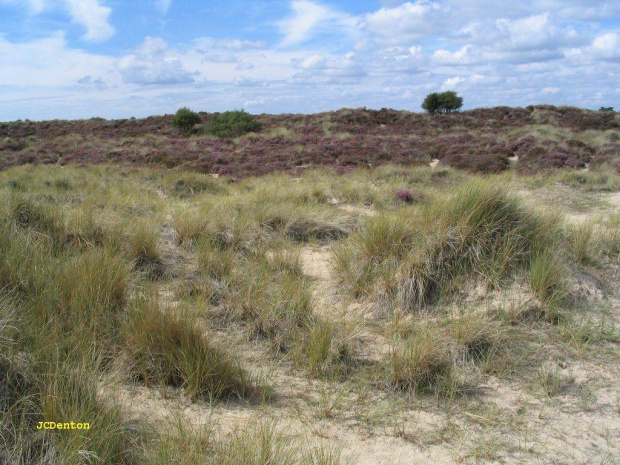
(122,58)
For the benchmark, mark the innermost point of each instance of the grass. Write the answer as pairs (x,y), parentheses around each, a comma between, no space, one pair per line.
(327,348)
(170,349)
(478,231)
(258,444)
(93,304)
(421,363)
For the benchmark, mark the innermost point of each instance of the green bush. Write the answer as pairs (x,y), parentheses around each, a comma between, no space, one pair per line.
(232,124)
(185,119)
(442,102)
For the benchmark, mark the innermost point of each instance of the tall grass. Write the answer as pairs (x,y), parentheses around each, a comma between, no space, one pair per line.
(170,349)
(478,231)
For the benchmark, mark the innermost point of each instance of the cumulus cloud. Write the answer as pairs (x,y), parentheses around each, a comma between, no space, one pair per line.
(152,63)
(93,16)
(405,22)
(326,69)
(607,46)
(48,62)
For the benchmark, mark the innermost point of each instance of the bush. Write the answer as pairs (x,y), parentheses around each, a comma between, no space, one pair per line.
(185,119)
(232,124)
(442,102)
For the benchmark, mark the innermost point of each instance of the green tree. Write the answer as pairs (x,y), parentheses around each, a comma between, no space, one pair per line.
(185,119)
(611,109)
(232,124)
(442,102)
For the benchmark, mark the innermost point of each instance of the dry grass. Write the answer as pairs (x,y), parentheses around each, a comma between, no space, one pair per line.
(113,281)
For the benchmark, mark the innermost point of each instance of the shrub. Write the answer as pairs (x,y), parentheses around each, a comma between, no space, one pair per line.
(442,102)
(185,119)
(232,124)
(406,196)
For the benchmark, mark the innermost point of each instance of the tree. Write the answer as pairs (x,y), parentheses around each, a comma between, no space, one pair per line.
(442,102)
(185,119)
(232,124)
(609,109)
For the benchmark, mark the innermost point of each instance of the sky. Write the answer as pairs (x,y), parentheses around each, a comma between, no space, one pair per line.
(70,59)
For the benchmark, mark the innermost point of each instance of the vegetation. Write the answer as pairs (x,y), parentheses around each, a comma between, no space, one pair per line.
(442,102)
(542,137)
(284,317)
(232,124)
(185,119)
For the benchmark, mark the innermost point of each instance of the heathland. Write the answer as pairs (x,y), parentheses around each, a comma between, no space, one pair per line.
(349,287)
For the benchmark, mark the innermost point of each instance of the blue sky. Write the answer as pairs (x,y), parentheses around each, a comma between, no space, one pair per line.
(115,58)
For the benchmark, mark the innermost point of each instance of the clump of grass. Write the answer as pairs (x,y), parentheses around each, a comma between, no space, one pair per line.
(260,443)
(421,363)
(88,297)
(479,230)
(607,238)
(141,246)
(478,339)
(304,229)
(49,389)
(271,296)
(360,260)
(546,276)
(418,256)
(549,380)
(28,212)
(189,226)
(215,262)
(170,349)
(191,184)
(327,347)
(580,244)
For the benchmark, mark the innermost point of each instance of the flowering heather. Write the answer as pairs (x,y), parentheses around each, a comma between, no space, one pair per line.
(475,141)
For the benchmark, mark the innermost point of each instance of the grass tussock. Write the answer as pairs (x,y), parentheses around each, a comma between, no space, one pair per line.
(260,443)
(421,363)
(165,348)
(326,347)
(418,255)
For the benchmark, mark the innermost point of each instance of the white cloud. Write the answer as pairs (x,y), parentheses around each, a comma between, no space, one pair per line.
(33,6)
(89,13)
(607,46)
(405,22)
(93,16)
(49,63)
(152,63)
(452,83)
(163,5)
(236,44)
(308,18)
(244,66)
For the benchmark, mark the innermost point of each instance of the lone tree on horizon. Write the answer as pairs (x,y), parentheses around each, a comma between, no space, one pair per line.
(442,102)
